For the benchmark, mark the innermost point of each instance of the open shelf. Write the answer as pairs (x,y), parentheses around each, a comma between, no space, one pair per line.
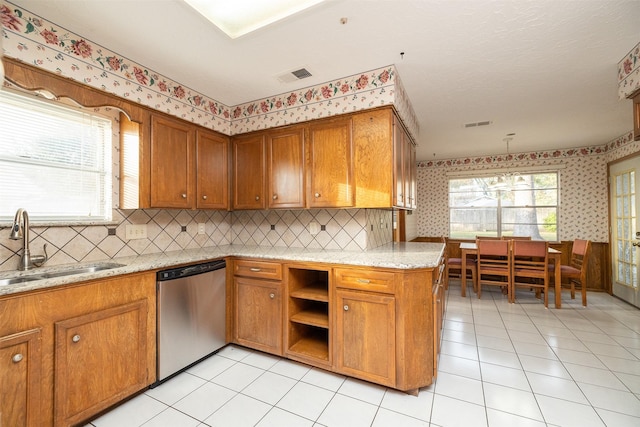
(308,313)
(314,343)
(312,318)
(315,291)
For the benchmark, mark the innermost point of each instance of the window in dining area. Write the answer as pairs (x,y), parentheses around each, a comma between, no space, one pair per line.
(514,205)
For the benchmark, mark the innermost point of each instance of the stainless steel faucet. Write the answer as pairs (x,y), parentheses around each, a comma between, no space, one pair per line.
(20,229)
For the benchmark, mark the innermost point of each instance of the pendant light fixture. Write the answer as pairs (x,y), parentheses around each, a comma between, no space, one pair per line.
(508,180)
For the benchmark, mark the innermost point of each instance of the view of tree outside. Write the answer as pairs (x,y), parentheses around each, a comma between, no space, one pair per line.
(522,205)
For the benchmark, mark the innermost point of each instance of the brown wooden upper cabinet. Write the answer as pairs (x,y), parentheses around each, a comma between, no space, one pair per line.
(248,171)
(212,166)
(385,161)
(285,167)
(331,164)
(172,160)
(188,166)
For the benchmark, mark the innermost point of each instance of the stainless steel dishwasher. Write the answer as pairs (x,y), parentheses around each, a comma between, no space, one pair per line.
(191,315)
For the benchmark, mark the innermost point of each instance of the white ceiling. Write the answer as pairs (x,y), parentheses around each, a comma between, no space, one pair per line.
(543,69)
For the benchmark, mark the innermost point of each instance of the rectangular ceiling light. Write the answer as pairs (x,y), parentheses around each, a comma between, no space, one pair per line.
(239,17)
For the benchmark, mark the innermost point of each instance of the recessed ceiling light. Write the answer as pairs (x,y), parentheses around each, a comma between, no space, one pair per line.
(239,17)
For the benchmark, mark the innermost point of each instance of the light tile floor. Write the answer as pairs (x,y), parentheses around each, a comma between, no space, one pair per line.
(501,365)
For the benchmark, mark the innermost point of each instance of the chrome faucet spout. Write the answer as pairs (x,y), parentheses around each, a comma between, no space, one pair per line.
(20,230)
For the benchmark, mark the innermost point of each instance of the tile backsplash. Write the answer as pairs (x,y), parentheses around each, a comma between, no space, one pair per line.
(168,230)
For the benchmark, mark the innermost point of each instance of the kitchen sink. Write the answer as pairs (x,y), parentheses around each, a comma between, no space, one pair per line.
(81,270)
(70,271)
(15,280)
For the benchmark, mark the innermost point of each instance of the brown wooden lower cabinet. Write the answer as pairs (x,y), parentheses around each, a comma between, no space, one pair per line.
(257,296)
(70,352)
(100,359)
(258,319)
(365,331)
(20,379)
(379,325)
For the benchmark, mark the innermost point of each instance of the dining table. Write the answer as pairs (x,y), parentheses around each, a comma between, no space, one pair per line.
(471,249)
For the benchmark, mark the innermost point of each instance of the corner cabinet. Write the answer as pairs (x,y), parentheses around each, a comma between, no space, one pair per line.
(249,172)
(212,169)
(69,353)
(257,288)
(285,167)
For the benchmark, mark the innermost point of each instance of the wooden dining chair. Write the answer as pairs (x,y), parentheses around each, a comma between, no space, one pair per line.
(576,272)
(453,267)
(530,267)
(516,237)
(494,263)
(488,238)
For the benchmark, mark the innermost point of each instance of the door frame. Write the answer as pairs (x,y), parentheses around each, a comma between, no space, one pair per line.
(629,297)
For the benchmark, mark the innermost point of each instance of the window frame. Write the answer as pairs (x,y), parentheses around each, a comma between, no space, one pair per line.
(499,207)
(107,153)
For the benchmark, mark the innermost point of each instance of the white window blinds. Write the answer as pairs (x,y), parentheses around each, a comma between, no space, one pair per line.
(55,161)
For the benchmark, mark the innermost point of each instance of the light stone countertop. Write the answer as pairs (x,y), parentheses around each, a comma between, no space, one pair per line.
(398,255)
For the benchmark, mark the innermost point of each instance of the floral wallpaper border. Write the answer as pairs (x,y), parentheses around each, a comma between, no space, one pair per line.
(535,155)
(629,73)
(35,40)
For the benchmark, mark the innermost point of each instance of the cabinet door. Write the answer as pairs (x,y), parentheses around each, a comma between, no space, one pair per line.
(365,334)
(20,379)
(285,160)
(258,314)
(100,358)
(331,164)
(248,171)
(408,156)
(172,160)
(212,154)
(398,164)
(373,148)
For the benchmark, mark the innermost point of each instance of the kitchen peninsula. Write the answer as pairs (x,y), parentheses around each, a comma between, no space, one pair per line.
(374,315)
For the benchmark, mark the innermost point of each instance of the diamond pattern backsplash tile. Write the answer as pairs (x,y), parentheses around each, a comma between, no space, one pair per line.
(346,229)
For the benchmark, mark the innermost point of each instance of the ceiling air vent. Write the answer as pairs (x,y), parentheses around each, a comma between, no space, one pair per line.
(293,76)
(477,124)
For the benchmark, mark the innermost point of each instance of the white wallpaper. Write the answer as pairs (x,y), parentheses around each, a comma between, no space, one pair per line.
(583,209)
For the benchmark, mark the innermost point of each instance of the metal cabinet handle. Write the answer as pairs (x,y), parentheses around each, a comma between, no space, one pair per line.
(275,197)
(317,195)
(365,281)
(255,269)
(346,307)
(17,358)
(204,197)
(184,195)
(75,338)
(272,295)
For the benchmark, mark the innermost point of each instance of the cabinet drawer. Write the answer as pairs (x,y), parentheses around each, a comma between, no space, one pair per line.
(366,280)
(258,269)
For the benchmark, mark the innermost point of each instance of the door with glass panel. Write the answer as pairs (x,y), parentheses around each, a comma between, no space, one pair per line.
(625,237)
